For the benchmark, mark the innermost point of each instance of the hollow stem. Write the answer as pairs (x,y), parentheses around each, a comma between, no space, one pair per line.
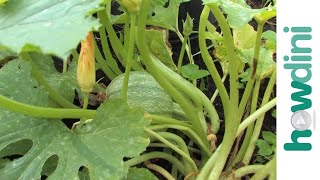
(181,55)
(266,170)
(129,57)
(160,170)
(232,119)
(207,58)
(190,149)
(259,122)
(173,147)
(185,104)
(205,171)
(155,155)
(102,62)
(249,130)
(189,132)
(110,61)
(43,112)
(254,116)
(158,119)
(216,92)
(243,171)
(182,146)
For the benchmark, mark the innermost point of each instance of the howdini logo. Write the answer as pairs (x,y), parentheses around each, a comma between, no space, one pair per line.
(299,63)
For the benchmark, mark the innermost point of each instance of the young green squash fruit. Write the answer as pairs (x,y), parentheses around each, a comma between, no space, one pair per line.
(143,92)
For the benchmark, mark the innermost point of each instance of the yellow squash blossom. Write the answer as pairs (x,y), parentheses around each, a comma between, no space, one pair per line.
(86,72)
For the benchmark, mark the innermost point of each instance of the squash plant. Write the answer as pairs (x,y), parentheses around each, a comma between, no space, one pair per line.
(154,108)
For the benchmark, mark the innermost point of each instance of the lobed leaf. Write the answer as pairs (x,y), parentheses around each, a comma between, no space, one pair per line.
(100,146)
(238,11)
(140,173)
(192,72)
(264,148)
(157,39)
(166,17)
(269,136)
(244,37)
(51,26)
(65,83)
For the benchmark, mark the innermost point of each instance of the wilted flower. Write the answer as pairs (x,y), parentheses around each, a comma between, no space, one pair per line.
(86,72)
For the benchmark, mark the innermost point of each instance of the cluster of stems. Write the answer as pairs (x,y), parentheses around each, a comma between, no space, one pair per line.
(192,101)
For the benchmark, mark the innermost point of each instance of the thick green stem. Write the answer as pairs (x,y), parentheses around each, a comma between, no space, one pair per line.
(191,149)
(257,46)
(102,62)
(259,122)
(216,92)
(115,42)
(207,58)
(222,157)
(185,104)
(110,61)
(84,106)
(126,34)
(131,43)
(273,173)
(233,59)
(181,55)
(192,92)
(189,132)
(182,145)
(243,171)
(75,55)
(85,101)
(178,81)
(42,112)
(187,46)
(266,170)
(53,94)
(249,130)
(253,117)
(172,146)
(65,66)
(155,155)
(160,170)
(205,171)
(232,119)
(246,95)
(158,119)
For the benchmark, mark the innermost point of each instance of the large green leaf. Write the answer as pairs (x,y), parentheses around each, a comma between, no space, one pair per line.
(271,39)
(167,17)
(65,83)
(266,64)
(238,11)
(159,45)
(244,37)
(6,55)
(100,145)
(50,26)
(140,173)
(16,83)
